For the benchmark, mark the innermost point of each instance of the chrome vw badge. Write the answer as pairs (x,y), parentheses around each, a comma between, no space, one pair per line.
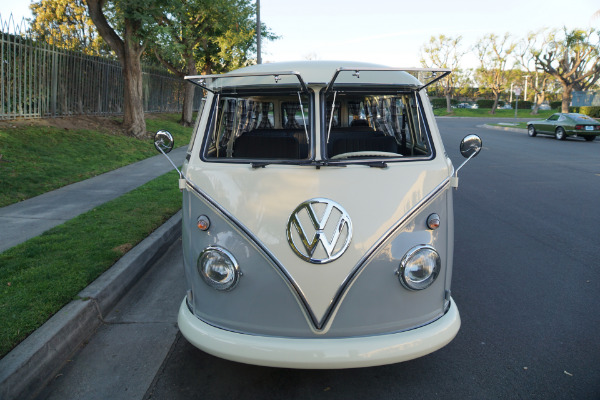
(319,231)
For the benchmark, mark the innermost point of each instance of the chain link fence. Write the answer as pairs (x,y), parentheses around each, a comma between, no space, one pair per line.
(39,80)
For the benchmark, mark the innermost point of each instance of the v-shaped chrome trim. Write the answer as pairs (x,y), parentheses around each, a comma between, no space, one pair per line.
(319,324)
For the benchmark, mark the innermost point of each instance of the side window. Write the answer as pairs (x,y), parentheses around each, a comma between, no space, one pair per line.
(248,127)
(553,117)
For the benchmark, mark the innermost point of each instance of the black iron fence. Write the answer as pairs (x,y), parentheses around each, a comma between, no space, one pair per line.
(40,80)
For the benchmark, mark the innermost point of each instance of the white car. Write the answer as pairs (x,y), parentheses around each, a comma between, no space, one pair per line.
(317,217)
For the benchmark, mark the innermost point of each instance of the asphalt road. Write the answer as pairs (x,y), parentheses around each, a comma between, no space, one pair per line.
(526,281)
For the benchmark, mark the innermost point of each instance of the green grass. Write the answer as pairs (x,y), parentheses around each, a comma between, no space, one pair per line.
(38,159)
(40,276)
(485,113)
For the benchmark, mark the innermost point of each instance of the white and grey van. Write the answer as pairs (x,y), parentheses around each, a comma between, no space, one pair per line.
(317,216)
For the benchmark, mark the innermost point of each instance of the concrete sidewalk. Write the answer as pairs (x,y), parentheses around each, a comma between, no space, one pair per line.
(28,367)
(30,218)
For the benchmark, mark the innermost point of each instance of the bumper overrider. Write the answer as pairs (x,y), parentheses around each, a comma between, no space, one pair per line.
(320,353)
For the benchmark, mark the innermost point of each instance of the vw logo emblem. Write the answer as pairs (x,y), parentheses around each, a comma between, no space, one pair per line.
(319,231)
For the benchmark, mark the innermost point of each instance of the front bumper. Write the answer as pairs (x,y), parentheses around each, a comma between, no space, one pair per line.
(315,353)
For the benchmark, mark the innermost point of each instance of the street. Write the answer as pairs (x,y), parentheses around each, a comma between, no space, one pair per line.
(526,281)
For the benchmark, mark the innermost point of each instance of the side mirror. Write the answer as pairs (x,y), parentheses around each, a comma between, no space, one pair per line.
(470,146)
(163,141)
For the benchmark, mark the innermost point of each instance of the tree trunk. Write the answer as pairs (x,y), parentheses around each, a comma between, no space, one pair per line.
(448,103)
(566,97)
(188,99)
(496,100)
(129,52)
(133,118)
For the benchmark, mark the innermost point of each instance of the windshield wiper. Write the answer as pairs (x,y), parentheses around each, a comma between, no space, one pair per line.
(377,164)
(259,164)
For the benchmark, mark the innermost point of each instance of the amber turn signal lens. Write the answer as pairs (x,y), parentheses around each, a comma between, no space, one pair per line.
(433,221)
(203,223)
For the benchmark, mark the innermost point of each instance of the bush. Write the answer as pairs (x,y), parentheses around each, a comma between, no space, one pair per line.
(593,112)
(485,103)
(522,104)
(441,102)
(556,104)
(438,103)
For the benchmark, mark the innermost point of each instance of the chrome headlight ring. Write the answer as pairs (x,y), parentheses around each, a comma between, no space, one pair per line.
(419,267)
(219,268)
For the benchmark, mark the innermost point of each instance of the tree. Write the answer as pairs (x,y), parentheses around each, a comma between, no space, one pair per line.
(572,58)
(494,52)
(66,24)
(205,35)
(134,21)
(540,82)
(463,83)
(443,52)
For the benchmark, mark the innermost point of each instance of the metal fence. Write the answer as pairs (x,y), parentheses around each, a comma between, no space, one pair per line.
(40,80)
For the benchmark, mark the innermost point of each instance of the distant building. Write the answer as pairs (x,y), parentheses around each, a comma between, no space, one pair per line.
(587,98)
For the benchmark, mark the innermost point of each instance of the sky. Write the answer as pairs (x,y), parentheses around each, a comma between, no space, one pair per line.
(392,32)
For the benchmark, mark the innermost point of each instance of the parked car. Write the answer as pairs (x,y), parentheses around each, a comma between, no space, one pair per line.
(561,125)
(543,106)
(317,217)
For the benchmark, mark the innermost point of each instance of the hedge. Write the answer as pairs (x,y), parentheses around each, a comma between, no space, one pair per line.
(593,112)
(441,102)
(522,104)
(485,103)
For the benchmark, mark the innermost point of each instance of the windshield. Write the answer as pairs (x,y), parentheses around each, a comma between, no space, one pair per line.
(367,124)
(259,126)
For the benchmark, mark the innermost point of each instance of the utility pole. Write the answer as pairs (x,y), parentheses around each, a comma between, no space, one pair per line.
(258,34)
(525,95)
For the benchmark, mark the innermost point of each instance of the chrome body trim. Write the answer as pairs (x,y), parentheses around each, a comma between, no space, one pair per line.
(371,252)
(320,324)
(297,291)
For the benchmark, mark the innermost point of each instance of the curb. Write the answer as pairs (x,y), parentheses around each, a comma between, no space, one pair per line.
(36,360)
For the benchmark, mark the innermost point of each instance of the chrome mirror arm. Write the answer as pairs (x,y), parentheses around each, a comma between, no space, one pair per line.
(172,163)
(470,146)
(463,164)
(163,140)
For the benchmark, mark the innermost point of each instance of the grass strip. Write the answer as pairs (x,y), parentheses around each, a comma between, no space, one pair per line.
(485,113)
(41,275)
(37,159)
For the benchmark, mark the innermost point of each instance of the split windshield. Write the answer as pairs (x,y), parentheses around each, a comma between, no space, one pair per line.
(272,120)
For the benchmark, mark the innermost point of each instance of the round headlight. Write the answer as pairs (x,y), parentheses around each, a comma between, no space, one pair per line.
(419,267)
(218,268)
